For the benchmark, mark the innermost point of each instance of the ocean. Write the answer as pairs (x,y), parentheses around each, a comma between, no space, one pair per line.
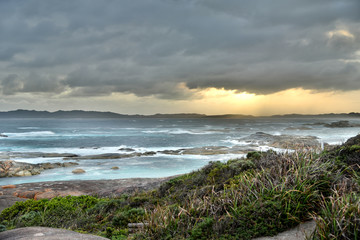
(161,136)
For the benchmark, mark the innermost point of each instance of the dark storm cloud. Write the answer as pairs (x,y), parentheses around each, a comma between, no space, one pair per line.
(32,83)
(156,47)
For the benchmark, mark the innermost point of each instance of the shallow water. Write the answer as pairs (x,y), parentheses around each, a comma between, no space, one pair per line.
(97,136)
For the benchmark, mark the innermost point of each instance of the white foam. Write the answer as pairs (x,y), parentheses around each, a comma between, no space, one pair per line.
(37,160)
(178,131)
(26,128)
(236,142)
(31,134)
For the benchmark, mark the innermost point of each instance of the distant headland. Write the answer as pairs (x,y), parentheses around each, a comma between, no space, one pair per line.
(21,113)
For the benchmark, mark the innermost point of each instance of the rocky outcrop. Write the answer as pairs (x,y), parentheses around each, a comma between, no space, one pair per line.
(110,156)
(10,168)
(298,128)
(338,124)
(341,124)
(39,155)
(37,233)
(283,141)
(207,150)
(100,188)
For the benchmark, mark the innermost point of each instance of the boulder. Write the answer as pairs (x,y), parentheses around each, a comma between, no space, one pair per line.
(8,186)
(23,173)
(78,171)
(341,124)
(115,168)
(26,194)
(36,233)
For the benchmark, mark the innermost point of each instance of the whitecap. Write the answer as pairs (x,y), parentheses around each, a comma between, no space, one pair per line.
(31,134)
(177,132)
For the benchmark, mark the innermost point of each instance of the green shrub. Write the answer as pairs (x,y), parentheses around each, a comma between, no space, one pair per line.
(2,228)
(132,215)
(203,230)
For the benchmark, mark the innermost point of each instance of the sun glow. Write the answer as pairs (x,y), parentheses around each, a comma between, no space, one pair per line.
(295,100)
(231,94)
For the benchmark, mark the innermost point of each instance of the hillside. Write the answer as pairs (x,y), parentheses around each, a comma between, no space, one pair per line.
(262,194)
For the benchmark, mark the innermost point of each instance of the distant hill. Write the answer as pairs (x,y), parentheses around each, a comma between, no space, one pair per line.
(59,114)
(326,115)
(94,114)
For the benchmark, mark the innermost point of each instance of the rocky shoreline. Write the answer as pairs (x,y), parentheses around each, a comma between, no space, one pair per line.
(13,168)
(107,188)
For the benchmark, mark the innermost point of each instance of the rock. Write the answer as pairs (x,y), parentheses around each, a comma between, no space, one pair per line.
(52,155)
(47,166)
(102,156)
(302,232)
(8,186)
(42,154)
(171,152)
(353,141)
(134,227)
(69,164)
(282,141)
(315,124)
(70,193)
(110,156)
(115,168)
(208,150)
(36,171)
(11,168)
(3,135)
(151,153)
(137,225)
(23,173)
(298,128)
(126,149)
(26,194)
(100,188)
(46,195)
(78,171)
(341,124)
(37,233)
(8,200)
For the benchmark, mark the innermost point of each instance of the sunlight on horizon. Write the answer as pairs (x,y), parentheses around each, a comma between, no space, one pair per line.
(295,100)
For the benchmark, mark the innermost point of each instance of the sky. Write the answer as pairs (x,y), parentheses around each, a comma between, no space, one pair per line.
(255,57)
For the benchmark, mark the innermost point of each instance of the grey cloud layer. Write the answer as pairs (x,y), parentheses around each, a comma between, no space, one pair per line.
(91,47)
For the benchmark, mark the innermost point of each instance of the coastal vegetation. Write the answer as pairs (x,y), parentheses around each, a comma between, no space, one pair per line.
(262,194)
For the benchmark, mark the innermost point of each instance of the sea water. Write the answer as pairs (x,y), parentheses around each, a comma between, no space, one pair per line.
(98,136)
